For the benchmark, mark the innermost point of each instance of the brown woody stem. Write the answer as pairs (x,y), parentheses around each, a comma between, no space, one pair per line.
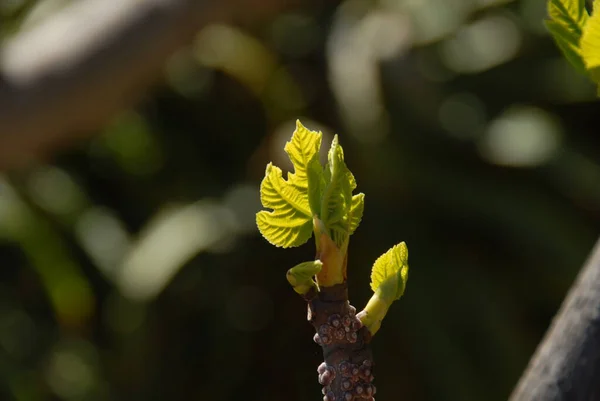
(347,371)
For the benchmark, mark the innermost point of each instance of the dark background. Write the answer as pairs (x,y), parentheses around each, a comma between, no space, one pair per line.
(131,266)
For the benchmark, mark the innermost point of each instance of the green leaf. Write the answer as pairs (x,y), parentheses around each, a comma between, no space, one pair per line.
(568,13)
(310,191)
(388,280)
(301,276)
(567,21)
(296,200)
(568,45)
(303,150)
(337,195)
(390,272)
(356,211)
(590,42)
(290,222)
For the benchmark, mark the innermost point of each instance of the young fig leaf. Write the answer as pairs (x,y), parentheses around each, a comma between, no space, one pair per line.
(590,44)
(303,151)
(296,200)
(569,13)
(388,280)
(337,200)
(390,272)
(356,211)
(566,25)
(290,222)
(301,276)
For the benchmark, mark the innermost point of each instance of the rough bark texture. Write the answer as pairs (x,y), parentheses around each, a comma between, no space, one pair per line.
(347,370)
(566,365)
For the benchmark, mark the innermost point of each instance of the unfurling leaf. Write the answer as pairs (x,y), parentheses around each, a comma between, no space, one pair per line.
(590,44)
(337,202)
(356,211)
(390,272)
(567,21)
(313,199)
(569,13)
(290,222)
(388,280)
(296,200)
(303,150)
(301,276)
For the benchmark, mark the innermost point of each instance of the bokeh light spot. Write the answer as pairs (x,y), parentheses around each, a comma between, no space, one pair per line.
(55,191)
(188,77)
(484,44)
(360,39)
(71,372)
(521,137)
(170,239)
(104,237)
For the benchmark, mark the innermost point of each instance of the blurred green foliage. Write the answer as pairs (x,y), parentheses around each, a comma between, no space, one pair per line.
(132,268)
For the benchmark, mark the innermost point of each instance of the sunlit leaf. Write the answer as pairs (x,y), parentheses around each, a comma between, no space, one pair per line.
(390,272)
(337,195)
(356,211)
(290,222)
(590,44)
(309,191)
(296,200)
(567,21)
(568,43)
(568,13)
(303,150)
(301,276)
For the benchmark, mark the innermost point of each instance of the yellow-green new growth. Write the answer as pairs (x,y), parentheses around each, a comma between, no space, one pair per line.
(312,193)
(301,276)
(567,19)
(590,45)
(318,199)
(577,34)
(294,201)
(388,281)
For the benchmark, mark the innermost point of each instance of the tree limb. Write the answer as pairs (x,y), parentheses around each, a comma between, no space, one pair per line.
(347,371)
(566,365)
(63,78)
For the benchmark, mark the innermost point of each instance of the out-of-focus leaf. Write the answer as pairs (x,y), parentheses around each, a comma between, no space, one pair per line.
(567,21)
(590,45)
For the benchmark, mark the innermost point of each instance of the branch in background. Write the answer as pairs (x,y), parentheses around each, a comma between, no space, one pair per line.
(64,78)
(566,365)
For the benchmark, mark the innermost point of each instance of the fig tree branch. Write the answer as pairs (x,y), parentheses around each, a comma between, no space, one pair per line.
(566,365)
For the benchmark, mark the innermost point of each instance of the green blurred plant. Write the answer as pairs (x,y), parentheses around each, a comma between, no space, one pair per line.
(318,199)
(577,34)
